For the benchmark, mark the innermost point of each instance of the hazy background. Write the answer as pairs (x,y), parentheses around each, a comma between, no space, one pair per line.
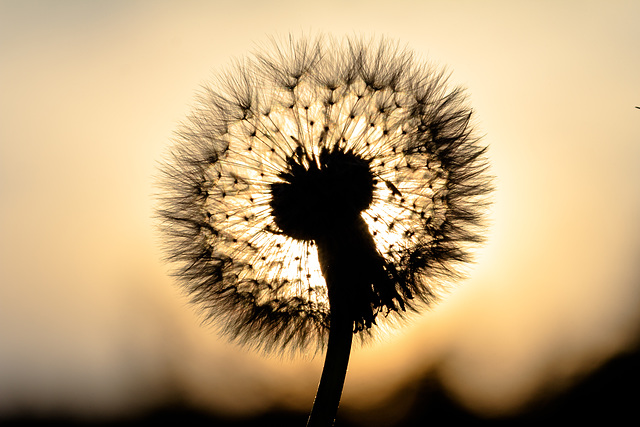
(91,325)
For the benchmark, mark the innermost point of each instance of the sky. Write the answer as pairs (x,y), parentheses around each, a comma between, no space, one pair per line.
(91,323)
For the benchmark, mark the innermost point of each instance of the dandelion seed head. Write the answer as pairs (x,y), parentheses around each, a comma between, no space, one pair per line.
(322,171)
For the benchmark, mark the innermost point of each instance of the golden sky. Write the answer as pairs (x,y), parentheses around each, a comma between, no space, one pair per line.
(91,92)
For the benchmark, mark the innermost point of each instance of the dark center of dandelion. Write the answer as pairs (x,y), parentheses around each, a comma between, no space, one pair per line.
(321,195)
(320,200)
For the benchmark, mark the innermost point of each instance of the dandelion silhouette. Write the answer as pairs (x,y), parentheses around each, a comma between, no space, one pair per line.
(318,188)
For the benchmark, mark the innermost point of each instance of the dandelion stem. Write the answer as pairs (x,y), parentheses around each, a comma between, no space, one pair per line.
(334,372)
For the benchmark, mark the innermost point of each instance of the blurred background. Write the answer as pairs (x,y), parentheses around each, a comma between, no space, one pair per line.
(94,330)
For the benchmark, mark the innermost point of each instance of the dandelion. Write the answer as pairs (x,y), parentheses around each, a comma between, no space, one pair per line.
(319,188)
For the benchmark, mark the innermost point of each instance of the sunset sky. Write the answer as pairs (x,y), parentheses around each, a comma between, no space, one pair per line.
(91,323)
